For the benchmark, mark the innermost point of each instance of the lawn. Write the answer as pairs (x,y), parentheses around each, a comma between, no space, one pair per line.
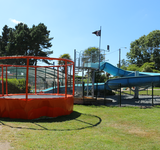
(156,92)
(89,128)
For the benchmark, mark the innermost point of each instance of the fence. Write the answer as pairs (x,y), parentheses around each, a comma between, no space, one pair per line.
(147,96)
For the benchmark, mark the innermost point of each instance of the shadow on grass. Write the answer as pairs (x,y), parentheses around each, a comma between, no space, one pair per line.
(75,116)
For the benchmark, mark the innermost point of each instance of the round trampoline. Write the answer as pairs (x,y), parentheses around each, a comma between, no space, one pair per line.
(39,102)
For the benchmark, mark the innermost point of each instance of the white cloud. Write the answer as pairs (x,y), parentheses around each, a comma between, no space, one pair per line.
(15,21)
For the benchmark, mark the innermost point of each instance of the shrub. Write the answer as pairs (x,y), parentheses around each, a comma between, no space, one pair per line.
(14,86)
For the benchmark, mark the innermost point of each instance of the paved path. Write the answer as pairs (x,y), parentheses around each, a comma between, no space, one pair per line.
(128,100)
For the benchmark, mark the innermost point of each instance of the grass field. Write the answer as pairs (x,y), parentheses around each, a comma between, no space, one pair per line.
(89,128)
(156,92)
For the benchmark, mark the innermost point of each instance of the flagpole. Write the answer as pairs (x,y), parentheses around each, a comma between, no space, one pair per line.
(99,47)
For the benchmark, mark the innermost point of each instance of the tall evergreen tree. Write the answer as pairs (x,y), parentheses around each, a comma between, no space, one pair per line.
(4,40)
(40,41)
(23,40)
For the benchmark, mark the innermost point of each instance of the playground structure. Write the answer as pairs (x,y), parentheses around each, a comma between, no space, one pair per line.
(82,66)
(126,78)
(54,87)
(37,103)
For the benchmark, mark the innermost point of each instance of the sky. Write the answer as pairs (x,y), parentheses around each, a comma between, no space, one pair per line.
(71,22)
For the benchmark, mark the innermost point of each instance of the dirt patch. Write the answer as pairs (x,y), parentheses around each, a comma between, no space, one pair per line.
(139,132)
(136,130)
(0,127)
(5,146)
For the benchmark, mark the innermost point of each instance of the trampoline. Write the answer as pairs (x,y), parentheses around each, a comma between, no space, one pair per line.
(35,105)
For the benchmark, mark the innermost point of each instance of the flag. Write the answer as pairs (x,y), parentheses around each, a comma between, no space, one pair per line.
(98,33)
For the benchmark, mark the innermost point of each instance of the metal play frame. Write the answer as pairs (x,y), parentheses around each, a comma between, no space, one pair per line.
(82,65)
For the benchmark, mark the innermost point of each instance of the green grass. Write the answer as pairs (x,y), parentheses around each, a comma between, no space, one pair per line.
(156,92)
(89,128)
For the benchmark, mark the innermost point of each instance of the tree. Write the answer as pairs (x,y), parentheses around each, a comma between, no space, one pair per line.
(124,64)
(91,54)
(146,49)
(61,62)
(40,41)
(23,40)
(101,78)
(147,67)
(18,43)
(133,67)
(4,40)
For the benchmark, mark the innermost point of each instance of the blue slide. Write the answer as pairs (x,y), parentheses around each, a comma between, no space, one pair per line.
(128,78)
(107,67)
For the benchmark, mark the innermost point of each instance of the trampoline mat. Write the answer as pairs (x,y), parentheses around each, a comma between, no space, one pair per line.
(32,96)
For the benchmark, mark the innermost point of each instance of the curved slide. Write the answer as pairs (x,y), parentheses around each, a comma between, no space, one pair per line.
(107,67)
(128,78)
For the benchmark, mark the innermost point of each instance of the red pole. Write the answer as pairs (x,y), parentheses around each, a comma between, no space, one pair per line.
(27,79)
(65,78)
(58,80)
(2,83)
(6,82)
(35,80)
(73,79)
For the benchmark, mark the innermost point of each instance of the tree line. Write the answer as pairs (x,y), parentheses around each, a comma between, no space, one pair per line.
(22,40)
(144,53)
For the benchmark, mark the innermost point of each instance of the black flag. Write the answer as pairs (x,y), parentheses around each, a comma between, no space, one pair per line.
(98,33)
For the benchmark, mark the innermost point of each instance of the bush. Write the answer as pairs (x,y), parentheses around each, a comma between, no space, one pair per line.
(100,78)
(15,86)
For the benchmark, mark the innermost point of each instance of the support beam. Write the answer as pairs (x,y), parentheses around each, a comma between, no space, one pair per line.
(93,78)
(136,92)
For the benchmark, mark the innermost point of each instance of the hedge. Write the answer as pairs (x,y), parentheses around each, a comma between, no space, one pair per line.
(15,86)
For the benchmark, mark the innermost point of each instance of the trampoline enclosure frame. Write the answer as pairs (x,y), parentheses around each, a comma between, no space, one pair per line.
(53,107)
